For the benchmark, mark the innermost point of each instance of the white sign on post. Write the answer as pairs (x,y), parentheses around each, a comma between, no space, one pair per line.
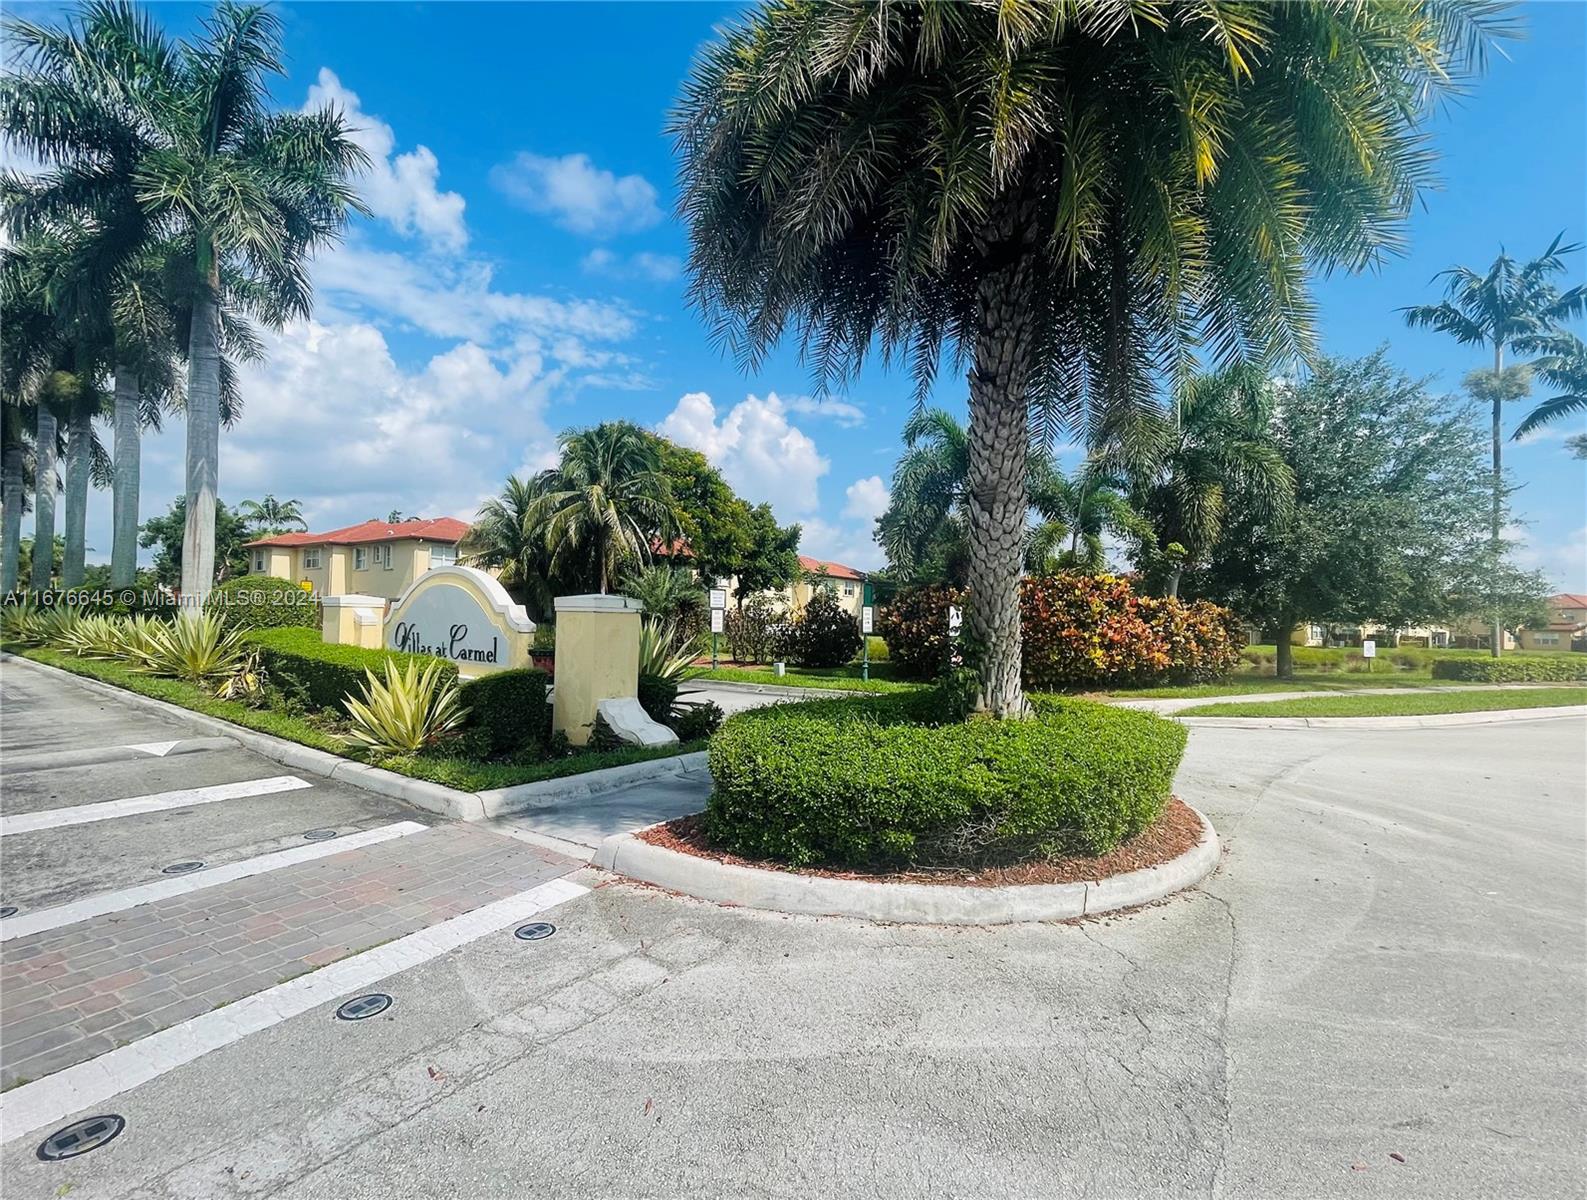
(867,618)
(716,620)
(718,599)
(1369,649)
(955,621)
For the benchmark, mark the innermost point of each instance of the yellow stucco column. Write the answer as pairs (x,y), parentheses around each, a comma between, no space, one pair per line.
(597,659)
(352,620)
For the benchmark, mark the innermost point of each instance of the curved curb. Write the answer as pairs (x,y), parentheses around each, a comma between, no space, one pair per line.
(902,903)
(1494,716)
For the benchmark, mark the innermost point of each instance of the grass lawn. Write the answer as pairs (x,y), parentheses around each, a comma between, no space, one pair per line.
(1301,681)
(465,774)
(1412,704)
(839,679)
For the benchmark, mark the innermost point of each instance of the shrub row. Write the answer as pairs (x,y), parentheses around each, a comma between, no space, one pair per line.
(510,709)
(1079,631)
(1551,668)
(300,663)
(263,602)
(890,780)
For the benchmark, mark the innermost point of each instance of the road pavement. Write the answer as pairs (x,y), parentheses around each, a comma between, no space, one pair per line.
(1381,992)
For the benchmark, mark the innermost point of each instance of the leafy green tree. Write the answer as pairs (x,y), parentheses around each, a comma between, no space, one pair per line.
(1387,524)
(1183,467)
(271,516)
(166,536)
(246,194)
(1517,308)
(707,514)
(772,562)
(503,540)
(604,503)
(1063,196)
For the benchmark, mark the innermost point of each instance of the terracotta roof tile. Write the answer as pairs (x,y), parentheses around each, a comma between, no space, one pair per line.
(436,529)
(835,570)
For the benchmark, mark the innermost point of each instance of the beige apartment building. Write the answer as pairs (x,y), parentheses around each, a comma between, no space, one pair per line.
(374,558)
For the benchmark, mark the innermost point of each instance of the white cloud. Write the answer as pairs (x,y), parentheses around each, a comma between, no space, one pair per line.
(757,450)
(845,414)
(1564,562)
(657,268)
(866,499)
(577,194)
(851,545)
(400,190)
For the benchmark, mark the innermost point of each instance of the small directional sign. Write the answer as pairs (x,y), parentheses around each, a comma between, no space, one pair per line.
(717,619)
(718,598)
(867,619)
(955,620)
(1369,649)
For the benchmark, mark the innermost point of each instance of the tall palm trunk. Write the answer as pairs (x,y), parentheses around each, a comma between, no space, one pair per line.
(126,480)
(203,441)
(999,440)
(11,498)
(1498,497)
(44,502)
(79,453)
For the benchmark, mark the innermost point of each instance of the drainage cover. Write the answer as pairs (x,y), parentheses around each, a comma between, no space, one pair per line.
(319,835)
(10,910)
(362,1007)
(182,868)
(534,931)
(80,1137)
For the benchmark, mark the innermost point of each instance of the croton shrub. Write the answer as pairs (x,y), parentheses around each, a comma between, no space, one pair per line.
(1079,631)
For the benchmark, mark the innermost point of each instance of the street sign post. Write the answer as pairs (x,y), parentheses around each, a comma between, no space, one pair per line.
(867,623)
(718,618)
(955,624)
(1369,651)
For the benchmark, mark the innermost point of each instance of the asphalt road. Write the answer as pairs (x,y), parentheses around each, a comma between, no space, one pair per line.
(1390,962)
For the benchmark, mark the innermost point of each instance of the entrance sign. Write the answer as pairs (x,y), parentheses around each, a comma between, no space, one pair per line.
(461,614)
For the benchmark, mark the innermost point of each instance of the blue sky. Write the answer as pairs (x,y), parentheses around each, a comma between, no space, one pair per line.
(523,274)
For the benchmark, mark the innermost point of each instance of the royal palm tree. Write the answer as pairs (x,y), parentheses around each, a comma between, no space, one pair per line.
(1184,465)
(1563,368)
(273,516)
(603,505)
(245,194)
(1063,192)
(1511,307)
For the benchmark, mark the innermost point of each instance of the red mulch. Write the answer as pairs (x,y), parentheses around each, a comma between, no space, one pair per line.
(1173,833)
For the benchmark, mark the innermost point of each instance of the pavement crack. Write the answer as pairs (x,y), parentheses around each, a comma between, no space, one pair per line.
(1220,1167)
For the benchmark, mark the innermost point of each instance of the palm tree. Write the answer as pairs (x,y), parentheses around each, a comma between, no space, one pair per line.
(604,503)
(1079,510)
(502,540)
(1184,466)
(671,595)
(272,516)
(1065,194)
(246,195)
(922,531)
(16,478)
(1564,367)
(1513,307)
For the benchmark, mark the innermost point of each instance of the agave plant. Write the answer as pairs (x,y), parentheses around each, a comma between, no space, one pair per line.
(93,637)
(52,627)
(195,647)
(21,624)
(664,651)
(246,681)
(410,708)
(136,636)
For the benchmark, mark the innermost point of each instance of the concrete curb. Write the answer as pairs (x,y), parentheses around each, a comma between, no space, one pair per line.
(421,793)
(902,903)
(498,802)
(1497,716)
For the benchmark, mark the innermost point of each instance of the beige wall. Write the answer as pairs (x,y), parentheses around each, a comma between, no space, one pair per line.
(597,659)
(339,574)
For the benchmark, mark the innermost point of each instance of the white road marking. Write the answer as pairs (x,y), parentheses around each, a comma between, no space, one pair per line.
(34,1106)
(147,893)
(158,749)
(53,818)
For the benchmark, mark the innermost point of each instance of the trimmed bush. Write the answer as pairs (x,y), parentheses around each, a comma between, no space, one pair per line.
(263,602)
(1079,631)
(509,708)
(1519,668)
(884,781)
(298,661)
(823,635)
(694,720)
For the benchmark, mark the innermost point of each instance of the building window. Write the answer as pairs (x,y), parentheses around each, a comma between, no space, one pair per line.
(848,589)
(311,560)
(385,556)
(258,562)
(1546,639)
(360,558)
(443,556)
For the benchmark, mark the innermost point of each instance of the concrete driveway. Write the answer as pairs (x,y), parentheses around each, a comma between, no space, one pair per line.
(1389,963)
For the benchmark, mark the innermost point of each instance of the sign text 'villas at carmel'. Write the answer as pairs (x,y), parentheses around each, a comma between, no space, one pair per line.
(464,615)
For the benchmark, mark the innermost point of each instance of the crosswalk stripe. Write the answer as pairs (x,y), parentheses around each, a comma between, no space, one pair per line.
(108,902)
(32,1106)
(54,818)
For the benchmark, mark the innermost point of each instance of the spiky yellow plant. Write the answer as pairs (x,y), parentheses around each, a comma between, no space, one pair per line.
(408,709)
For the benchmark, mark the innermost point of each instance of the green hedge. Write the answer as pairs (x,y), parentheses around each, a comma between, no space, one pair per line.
(1517,668)
(263,602)
(510,708)
(298,661)
(850,782)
